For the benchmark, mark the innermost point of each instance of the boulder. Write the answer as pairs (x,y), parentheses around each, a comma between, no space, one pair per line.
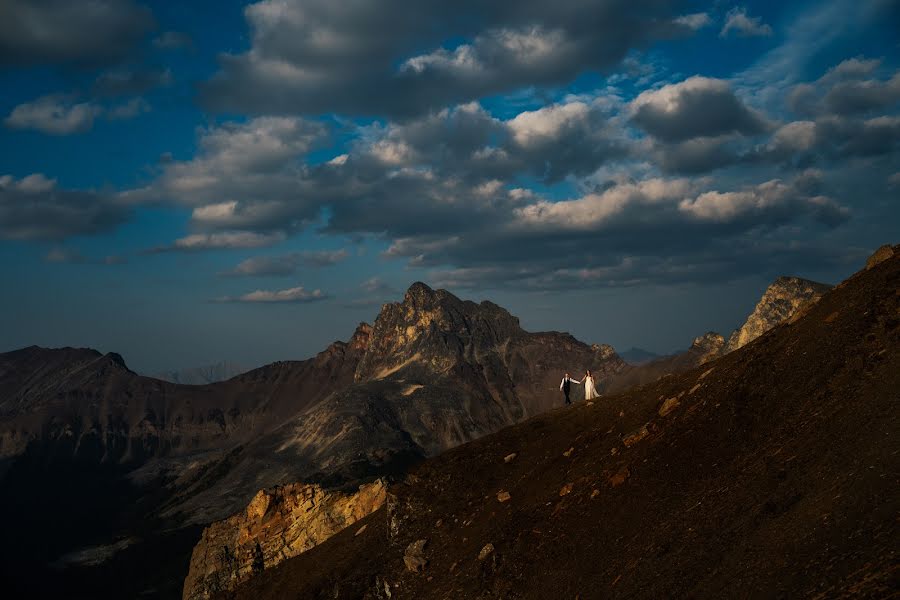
(414,557)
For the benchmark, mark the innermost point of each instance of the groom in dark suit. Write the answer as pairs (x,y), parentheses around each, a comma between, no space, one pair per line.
(566,386)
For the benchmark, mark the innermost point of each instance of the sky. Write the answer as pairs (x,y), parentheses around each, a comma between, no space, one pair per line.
(185,183)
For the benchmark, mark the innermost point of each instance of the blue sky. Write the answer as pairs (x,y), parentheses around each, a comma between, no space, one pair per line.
(190,182)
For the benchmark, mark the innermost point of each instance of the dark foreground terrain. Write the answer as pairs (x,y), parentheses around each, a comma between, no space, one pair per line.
(770,472)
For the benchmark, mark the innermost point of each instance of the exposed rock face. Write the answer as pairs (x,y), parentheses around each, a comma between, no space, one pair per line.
(277,524)
(781,301)
(708,346)
(879,256)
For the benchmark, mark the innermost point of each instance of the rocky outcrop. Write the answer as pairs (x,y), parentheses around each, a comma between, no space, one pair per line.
(277,524)
(781,300)
(879,256)
(707,346)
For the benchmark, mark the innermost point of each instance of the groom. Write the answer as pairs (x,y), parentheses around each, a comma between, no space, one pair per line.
(566,385)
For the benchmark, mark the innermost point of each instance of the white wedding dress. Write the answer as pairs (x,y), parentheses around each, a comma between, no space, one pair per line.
(590,392)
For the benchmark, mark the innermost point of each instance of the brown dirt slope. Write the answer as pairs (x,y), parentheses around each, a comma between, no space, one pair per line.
(773,474)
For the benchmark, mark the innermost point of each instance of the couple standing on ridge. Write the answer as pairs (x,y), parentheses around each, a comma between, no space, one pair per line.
(590,390)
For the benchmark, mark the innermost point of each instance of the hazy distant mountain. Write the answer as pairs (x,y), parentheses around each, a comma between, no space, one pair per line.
(638,356)
(219,371)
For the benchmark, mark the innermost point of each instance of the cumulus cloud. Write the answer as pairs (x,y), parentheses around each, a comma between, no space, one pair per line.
(772,200)
(851,87)
(697,106)
(221,240)
(287,264)
(623,235)
(55,114)
(738,23)
(314,57)
(694,21)
(243,174)
(831,138)
(62,114)
(61,31)
(35,208)
(292,295)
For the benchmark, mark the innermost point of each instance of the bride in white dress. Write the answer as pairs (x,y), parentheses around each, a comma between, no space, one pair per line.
(590,390)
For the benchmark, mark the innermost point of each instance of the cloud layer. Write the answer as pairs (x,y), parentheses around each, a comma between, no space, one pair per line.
(60,31)
(35,208)
(360,58)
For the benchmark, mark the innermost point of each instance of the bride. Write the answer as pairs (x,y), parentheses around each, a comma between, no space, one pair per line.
(590,390)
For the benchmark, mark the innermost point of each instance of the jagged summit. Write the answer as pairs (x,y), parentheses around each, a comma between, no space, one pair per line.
(781,300)
(434,328)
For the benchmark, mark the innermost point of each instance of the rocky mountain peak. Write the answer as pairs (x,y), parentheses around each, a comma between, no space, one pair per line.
(708,342)
(116,359)
(781,300)
(359,341)
(708,346)
(603,351)
(432,326)
(420,294)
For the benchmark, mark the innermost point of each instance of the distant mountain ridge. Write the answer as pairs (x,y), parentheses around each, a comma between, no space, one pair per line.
(638,356)
(212,373)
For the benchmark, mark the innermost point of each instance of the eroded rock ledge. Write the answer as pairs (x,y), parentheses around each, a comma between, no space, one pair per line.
(279,523)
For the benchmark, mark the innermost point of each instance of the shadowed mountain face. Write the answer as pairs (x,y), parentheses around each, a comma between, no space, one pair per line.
(432,372)
(768,472)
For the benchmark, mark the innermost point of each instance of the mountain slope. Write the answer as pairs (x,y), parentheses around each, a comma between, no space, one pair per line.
(436,372)
(768,472)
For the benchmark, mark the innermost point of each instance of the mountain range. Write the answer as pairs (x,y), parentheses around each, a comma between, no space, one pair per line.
(143,463)
(768,471)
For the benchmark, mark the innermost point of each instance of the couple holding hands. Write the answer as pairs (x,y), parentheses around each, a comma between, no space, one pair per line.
(590,390)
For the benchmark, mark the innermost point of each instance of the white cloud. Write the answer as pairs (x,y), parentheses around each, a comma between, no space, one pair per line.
(739,23)
(222,240)
(697,106)
(694,21)
(596,210)
(55,114)
(292,295)
(531,126)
